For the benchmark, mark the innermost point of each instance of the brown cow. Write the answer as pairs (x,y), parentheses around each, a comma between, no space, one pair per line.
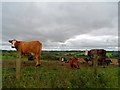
(28,48)
(101,53)
(74,63)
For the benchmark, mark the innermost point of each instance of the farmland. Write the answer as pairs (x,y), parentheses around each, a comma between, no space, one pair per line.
(54,74)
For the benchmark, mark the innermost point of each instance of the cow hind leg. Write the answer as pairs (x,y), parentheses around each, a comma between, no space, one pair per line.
(103,63)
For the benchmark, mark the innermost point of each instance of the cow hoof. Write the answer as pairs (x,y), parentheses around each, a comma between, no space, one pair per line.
(37,65)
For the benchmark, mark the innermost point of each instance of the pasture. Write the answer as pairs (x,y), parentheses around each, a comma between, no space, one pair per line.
(54,74)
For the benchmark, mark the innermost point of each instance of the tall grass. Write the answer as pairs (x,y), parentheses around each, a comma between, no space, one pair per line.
(58,77)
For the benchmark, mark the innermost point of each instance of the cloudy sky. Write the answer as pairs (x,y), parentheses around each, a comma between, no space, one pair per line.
(61,25)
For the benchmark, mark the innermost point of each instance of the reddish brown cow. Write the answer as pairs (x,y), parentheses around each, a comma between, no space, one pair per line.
(28,48)
(74,63)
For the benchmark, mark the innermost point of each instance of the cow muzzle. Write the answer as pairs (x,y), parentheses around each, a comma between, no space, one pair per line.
(12,46)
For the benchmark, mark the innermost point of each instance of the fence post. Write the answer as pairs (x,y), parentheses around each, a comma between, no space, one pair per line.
(18,67)
(95,60)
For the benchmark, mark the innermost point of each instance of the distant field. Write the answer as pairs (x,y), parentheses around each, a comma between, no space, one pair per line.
(54,74)
(56,55)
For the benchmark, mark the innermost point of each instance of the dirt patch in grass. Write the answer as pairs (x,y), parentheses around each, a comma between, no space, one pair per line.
(54,64)
(12,64)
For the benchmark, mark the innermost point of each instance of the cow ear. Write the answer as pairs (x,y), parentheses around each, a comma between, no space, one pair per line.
(10,41)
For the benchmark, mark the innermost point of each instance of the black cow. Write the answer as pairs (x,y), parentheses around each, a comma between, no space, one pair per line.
(107,62)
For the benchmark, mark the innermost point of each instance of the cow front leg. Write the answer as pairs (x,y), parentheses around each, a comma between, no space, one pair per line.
(37,61)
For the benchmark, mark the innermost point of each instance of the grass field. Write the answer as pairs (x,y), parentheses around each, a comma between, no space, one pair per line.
(54,74)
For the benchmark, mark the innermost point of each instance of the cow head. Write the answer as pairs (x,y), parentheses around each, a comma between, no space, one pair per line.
(12,42)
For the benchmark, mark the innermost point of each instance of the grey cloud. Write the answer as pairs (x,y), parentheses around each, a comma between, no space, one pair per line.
(55,23)
(105,42)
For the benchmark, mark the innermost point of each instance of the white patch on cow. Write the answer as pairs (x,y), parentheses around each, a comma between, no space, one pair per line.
(13,43)
(32,53)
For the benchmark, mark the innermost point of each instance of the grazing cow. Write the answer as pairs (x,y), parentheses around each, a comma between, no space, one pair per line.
(64,60)
(81,60)
(107,62)
(115,62)
(28,48)
(74,63)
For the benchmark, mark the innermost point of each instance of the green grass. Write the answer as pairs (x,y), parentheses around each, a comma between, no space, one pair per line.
(57,77)
(7,57)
